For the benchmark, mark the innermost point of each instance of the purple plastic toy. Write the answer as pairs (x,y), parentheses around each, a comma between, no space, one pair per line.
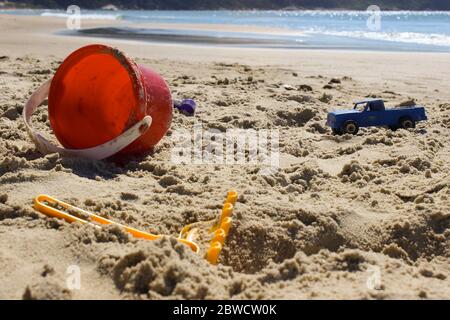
(186,106)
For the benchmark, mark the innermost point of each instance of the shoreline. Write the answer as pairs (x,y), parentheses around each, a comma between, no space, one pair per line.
(200,32)
(166,34)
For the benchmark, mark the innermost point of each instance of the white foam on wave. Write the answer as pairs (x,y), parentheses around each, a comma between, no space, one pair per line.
(353,13)
(404,37)
(89,16)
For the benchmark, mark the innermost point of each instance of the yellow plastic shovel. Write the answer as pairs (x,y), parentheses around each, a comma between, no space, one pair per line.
(207,237)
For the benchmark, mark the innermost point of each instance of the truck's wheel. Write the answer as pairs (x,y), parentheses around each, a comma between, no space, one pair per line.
(350,127)
(407,123)
(336,131)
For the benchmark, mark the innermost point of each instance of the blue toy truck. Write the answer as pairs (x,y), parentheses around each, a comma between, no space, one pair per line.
(371,112)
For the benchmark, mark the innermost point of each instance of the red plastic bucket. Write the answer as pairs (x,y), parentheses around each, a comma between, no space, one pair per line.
(98,93)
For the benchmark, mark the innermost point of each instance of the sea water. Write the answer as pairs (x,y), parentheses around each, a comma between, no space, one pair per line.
(384,30)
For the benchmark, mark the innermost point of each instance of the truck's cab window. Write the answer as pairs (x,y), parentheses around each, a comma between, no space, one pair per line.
(360,107)
(375,106)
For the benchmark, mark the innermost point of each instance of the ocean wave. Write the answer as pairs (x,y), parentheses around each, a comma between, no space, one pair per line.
(89,16)
(353,13)
(404,37)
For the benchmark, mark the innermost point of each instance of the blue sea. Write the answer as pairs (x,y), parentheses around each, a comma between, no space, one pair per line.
(363,30)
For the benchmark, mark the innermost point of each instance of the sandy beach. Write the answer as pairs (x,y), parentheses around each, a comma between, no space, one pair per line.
(341,212)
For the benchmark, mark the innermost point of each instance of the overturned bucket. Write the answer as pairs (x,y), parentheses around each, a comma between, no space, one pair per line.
(101,103)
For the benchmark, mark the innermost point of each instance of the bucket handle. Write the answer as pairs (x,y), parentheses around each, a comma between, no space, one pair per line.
(99,152)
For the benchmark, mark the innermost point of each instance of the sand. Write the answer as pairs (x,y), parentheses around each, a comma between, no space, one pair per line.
(344,217)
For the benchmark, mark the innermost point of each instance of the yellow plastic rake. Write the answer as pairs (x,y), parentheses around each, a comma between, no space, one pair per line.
(214,231)
(207,237)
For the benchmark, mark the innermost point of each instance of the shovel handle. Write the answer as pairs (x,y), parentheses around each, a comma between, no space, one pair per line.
(50,210)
